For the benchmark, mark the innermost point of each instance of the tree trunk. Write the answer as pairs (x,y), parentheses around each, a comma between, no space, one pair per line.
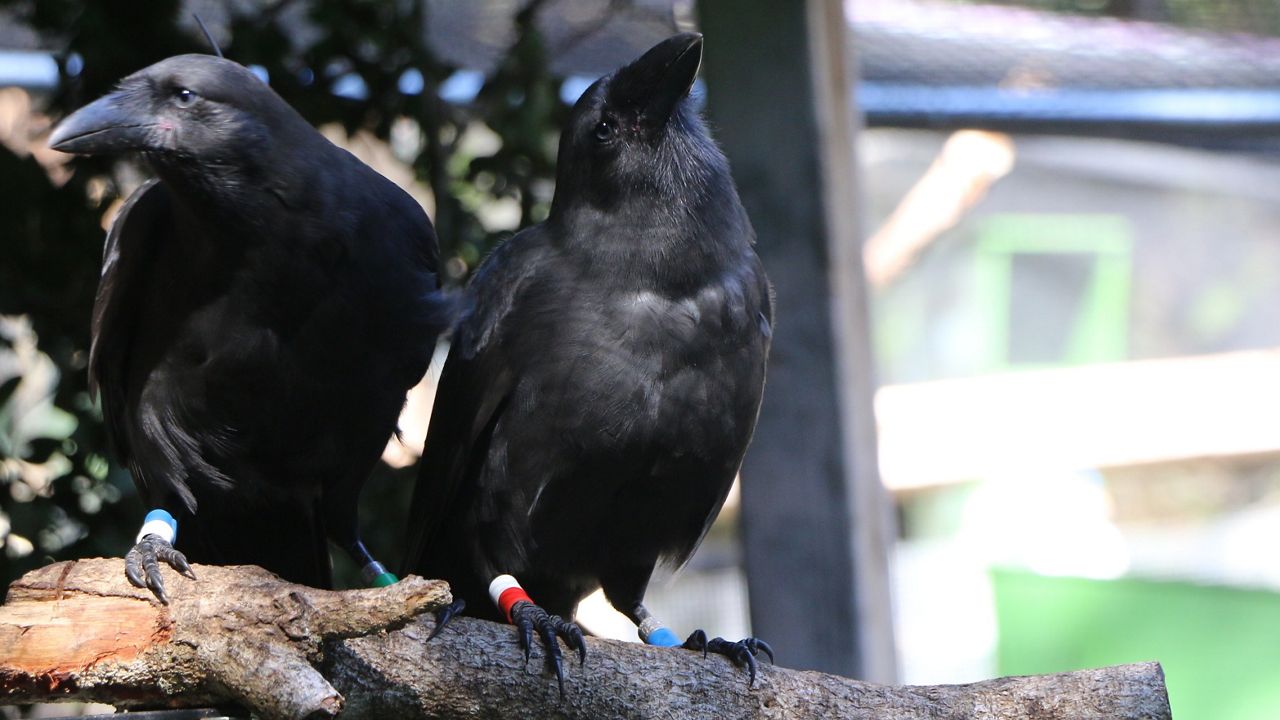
(79,631)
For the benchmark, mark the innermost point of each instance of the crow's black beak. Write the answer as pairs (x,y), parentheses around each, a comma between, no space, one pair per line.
(103,127)
(661,78)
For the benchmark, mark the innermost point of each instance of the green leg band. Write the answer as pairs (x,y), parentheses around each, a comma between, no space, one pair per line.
(375,574)
(384,579)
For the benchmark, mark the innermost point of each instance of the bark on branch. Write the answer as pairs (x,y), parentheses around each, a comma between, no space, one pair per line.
(78,631)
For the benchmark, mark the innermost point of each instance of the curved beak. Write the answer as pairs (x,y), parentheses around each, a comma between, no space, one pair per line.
(105,126)
(662,77)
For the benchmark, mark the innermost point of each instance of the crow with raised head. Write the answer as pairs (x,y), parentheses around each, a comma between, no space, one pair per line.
(605,378)
(265,303)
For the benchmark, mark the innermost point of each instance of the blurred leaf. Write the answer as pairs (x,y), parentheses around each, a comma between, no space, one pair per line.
(53,423)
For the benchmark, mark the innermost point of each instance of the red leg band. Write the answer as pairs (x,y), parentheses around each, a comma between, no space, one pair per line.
(509,598)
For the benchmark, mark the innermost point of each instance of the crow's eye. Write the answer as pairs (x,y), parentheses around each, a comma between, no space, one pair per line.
(184,98)
(604,131)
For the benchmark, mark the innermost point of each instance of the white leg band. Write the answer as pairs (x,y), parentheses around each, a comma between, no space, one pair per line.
(501,584)
(160,523)
(159,528)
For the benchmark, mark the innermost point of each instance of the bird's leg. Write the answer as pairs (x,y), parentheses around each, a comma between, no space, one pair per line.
(521,611)
(374,573)
(653,632)
(154,544)
(342,525)
(650,629)
(624,588)
(345,532)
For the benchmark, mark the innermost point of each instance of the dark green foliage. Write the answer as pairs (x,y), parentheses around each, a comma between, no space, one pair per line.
(51,237)
(50,245)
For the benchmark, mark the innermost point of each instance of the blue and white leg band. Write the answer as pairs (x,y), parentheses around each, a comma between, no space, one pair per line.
(161,524)
(653,632)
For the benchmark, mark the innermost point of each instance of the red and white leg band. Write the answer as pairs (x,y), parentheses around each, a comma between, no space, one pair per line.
(505,592)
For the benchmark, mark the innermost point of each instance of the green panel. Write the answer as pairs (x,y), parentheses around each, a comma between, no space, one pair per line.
(1220,647)
(1100,331)
(1055,233)
(1102,328)
(992,290)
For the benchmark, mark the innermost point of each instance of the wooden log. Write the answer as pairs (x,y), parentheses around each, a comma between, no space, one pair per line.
(78,631)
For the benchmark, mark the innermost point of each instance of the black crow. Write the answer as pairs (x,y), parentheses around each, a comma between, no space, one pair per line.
(605,378)
(265,304)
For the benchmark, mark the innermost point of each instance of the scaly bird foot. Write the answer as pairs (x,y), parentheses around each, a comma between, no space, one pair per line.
(445,614)
(142,564)
(742,653)
(526,617)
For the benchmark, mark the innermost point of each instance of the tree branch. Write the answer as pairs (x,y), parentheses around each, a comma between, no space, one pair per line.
(78,631)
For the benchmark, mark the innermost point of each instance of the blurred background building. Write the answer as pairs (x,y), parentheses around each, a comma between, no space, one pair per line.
(1071,248)
(1074,251)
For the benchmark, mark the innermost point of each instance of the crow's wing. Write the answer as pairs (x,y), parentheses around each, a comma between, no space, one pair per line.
(128,255)
(477,379)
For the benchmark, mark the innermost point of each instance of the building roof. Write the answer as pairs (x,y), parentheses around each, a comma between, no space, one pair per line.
(932,42)
(930,63)
(943,64)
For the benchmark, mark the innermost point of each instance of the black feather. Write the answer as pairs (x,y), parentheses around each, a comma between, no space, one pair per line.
(208,35)
(264,305)
(604,383)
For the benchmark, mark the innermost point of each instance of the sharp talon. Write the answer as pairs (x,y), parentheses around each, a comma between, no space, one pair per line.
(762,645)
(156,584)
(697,641)
(142,565)
(547,629)
(133,569)
(446,614)
(182,566)
(573,637)
(578,642)
(526,641)
(176,560)
(551,629)
(524,624)
(745,656)
(742,653)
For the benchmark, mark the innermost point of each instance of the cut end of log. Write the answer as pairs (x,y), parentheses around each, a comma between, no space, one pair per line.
(79,630)
(67,636)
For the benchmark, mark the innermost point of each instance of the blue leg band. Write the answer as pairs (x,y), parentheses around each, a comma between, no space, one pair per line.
(662,637)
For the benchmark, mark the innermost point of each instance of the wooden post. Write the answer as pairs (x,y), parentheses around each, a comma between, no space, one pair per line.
(815,519)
